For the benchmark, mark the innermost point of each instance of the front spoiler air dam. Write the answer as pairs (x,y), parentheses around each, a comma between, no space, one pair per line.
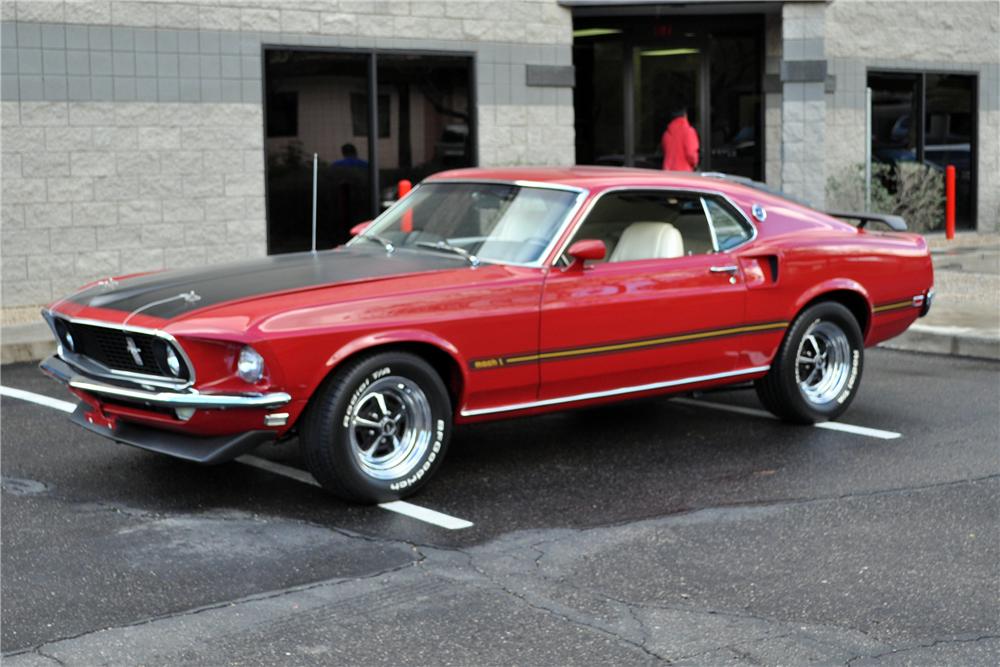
(61,371)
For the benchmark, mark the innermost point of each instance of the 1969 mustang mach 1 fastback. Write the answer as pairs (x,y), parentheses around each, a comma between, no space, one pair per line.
(483,294)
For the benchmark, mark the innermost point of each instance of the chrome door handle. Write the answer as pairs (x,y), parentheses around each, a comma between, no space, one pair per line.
(732,268)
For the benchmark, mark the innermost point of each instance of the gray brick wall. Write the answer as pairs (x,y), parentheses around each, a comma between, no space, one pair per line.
(803,106)
(132,131)
(914,35)
(98,188)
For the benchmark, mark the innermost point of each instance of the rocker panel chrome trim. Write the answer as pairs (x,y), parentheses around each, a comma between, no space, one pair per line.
(613,392)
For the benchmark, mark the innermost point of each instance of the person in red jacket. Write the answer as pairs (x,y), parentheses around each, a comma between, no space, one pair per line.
(680,143)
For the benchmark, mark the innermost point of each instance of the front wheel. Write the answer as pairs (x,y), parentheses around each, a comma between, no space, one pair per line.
(817,370)
(378,429)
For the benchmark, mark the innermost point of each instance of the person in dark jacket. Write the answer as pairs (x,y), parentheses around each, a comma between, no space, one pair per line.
(680,143)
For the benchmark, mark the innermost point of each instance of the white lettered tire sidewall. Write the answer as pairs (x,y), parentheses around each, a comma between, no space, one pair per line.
(780,390)
(326,440)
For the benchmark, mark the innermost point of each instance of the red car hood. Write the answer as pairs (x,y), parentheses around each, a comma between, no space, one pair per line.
(173,295)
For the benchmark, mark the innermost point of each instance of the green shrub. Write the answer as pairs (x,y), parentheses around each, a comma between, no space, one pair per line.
(913,191)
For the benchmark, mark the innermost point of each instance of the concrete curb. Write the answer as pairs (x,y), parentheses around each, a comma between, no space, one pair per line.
(954,341)
(25,342)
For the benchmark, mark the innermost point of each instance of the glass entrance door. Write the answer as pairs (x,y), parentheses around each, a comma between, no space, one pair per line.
(667,80)
(633,71)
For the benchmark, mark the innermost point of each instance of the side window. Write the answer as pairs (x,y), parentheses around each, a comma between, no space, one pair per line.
(730,229)
(650,224)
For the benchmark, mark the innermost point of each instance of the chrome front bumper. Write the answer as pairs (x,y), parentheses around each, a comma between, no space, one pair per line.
(190,398)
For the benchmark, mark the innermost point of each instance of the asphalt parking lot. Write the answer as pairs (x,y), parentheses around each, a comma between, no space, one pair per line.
(655,530)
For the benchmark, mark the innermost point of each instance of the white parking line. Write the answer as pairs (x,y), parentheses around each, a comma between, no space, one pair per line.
(859,430)
(831,426)
(427,515)
(41,399)
(277,469)
(398,506)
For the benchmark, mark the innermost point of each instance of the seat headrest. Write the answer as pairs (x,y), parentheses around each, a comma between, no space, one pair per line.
(648,240)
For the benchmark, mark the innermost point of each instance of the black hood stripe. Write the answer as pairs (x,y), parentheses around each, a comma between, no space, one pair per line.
(174,293)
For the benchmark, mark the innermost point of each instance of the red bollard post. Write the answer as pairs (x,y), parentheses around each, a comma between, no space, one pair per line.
(403,189)
(949,201)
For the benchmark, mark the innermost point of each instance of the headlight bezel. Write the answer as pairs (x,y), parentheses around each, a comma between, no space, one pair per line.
(64,334)
(170,361)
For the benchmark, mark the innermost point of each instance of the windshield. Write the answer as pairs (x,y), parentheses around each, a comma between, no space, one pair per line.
(494,221)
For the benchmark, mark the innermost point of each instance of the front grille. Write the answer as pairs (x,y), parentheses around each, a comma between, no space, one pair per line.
(111,347)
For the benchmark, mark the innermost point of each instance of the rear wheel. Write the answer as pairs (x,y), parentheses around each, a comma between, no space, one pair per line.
(817,370)
(378,428)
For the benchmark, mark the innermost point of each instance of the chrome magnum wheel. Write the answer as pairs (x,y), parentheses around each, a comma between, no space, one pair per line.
(823,362)
(378,428)
(817,370)
(391,428)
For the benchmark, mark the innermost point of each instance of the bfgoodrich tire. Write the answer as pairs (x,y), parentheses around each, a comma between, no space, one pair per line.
(378,428)
(817,370)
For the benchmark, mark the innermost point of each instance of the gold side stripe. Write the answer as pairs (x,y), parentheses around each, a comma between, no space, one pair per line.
(631,345)
(893,306)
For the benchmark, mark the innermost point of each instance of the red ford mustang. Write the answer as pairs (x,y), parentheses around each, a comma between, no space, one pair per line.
(489,293)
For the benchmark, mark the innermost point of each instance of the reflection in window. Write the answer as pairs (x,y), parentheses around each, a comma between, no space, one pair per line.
(495,222)
(431,119)
(730,230)
(894,99)
(317,102)
(283,114)
(359,114)
(948,123)
(946,104)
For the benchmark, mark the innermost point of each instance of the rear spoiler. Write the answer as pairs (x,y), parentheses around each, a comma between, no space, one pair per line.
(893,222)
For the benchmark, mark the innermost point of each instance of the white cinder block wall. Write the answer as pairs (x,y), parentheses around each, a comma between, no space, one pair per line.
(92,189)
(132,132)
(915,35)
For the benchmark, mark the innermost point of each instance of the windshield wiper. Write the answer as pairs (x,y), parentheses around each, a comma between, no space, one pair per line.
(447,247)
(386,243)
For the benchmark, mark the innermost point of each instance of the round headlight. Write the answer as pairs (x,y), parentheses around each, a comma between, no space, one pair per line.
(250,365)
(168,359)
(173,362)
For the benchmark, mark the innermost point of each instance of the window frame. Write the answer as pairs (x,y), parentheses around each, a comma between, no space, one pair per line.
(738,218)
(921,76)
(371,55)
(559,259)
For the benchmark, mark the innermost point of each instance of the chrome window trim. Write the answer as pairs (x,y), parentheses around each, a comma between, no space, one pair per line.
(711,226)
(163,381)
(544,255)
(635,389)
(701,192)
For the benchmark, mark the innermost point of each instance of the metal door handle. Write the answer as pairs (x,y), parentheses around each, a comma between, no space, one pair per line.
(732,268)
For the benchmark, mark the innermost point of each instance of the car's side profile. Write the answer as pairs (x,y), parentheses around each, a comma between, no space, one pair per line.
(486,294)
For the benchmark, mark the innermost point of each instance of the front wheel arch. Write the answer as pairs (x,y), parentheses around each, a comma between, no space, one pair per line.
(440,355)
(345,432)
